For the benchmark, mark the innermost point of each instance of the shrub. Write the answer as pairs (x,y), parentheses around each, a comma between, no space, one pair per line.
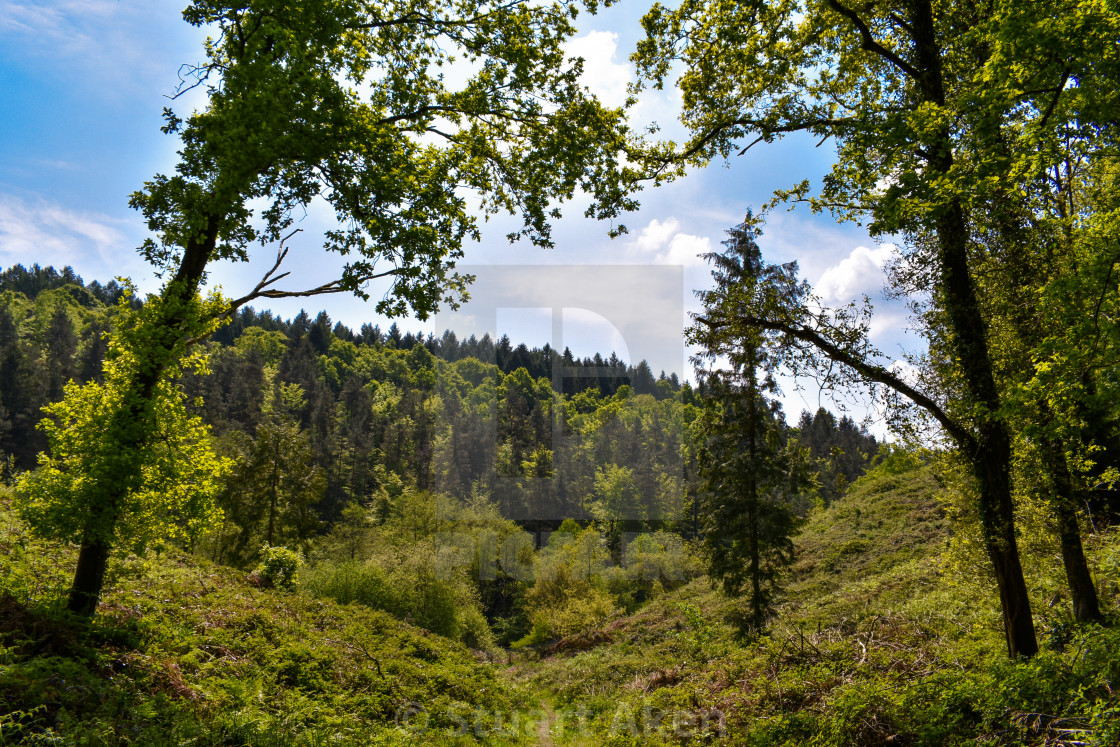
(409,589)
(279,567)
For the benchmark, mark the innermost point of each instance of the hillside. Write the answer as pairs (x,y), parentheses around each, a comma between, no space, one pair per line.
(872,644)
(186,652)
(877,640)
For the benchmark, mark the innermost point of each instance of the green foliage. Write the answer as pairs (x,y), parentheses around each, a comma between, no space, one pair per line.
(125,468)
(420,564)
(412,590)
(373,75)
(270,493)
(279,568)
(698,633)
(968,138)
(186,652)
(893,460)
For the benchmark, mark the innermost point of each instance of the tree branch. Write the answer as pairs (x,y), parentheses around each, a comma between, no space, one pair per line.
(1054,101)
(870,371)
(263,291)
(752,124)
(869,42)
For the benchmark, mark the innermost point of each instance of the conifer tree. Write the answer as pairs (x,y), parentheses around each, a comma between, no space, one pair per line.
(749,468)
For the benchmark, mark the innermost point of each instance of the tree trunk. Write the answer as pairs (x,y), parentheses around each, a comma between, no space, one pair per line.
(1086,607)
(1083,592)
(1024,277)
(997,515)
(89,577)
(991,458)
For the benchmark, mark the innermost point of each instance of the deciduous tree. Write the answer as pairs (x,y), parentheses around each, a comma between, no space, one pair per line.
(346,102)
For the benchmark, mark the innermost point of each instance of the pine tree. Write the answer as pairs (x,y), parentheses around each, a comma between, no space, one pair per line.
(749,468)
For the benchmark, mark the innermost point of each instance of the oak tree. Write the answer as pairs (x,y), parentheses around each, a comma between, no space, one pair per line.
(351,104)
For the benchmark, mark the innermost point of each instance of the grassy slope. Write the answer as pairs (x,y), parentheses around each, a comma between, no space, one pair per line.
(871,646)
(183,652)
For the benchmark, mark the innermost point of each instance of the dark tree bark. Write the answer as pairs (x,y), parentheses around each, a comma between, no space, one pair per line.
(991,455)
(89,578)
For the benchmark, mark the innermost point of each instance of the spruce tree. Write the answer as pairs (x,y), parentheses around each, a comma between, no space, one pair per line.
(749,468)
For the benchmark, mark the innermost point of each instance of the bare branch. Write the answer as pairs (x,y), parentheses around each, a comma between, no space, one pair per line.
(266,281)
(334,286)
(263,291)
(871,371)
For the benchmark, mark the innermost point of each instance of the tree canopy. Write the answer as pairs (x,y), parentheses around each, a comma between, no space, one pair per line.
(348,102)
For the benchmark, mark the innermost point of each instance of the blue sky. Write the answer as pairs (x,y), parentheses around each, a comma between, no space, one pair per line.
(83,84)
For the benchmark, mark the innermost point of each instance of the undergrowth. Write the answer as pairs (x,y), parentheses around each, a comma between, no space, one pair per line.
(875,642)
(185,652)
(881,637)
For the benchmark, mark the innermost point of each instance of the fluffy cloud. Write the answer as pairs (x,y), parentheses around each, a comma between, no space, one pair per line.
(858,274)
(663,243)
(604,77)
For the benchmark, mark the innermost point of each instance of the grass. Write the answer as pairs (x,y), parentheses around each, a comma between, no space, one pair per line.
(184,652)
(873,644)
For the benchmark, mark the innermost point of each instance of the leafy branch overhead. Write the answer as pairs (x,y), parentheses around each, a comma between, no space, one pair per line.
(351,103)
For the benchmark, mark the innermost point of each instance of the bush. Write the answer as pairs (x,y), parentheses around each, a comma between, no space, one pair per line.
(279,568)
(411,590)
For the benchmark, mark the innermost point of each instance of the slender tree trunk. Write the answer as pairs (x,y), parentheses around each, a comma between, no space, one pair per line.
(93,556)
(997,515)
(1086,607)
(991,459)
(1083,591)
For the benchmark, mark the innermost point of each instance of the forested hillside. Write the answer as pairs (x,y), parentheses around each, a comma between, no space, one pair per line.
(331,436)
(221,527)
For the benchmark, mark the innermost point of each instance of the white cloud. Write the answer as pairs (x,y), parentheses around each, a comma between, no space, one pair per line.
(603,76)
(663,243)
(685,249)
(906,371)
(50,234)
(858,274)
(656,234)
(889,323)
